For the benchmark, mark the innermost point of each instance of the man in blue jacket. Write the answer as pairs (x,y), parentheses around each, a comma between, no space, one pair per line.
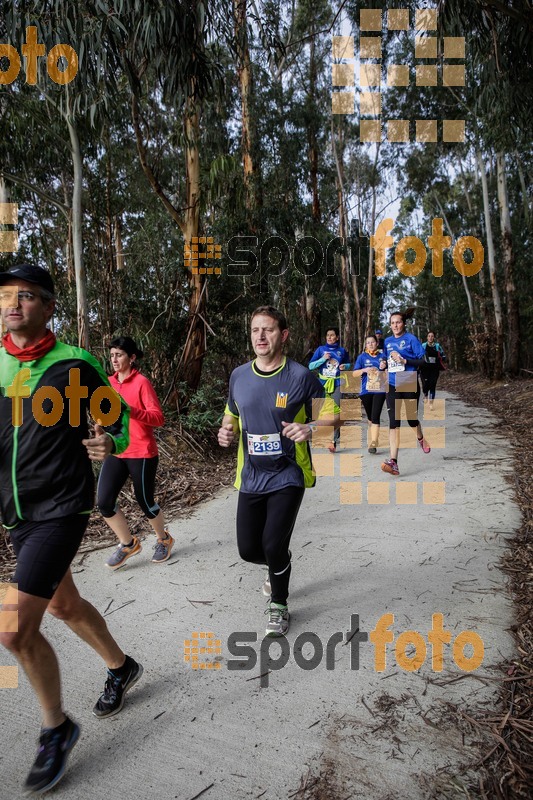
(329,359)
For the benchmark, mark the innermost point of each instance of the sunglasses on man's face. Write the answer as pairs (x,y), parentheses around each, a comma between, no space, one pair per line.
(11,299)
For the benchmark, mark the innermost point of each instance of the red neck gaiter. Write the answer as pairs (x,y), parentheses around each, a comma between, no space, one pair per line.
(32,352)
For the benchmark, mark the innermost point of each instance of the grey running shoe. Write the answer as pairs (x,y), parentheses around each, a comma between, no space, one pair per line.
(278,620)
(267,588)
(162,549)
(55,745)
(111,700)
(122,553)
(373,448)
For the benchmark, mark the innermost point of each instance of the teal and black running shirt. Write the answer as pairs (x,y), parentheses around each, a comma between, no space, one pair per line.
(268,461)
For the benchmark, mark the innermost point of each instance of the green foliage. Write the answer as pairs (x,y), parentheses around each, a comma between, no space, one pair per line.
(205,410)
(133,249)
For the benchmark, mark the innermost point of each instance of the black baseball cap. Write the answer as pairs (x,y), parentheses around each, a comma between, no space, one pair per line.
(31,274)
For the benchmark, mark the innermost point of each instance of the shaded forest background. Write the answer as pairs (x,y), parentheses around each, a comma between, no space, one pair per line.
(195,119)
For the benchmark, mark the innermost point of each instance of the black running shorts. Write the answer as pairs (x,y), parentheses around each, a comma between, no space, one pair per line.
(45,551)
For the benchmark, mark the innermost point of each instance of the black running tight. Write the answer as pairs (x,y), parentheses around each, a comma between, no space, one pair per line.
(265,523)
(114,474)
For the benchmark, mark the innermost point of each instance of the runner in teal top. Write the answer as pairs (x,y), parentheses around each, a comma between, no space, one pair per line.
(330,359)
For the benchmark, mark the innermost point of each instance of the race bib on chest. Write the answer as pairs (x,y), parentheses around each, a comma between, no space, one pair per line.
(431,360)
(264,444)
(375,381)
(394,366)
(330,370)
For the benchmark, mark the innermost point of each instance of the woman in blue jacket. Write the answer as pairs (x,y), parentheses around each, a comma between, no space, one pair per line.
(404,354)
(329,359)
(370,366)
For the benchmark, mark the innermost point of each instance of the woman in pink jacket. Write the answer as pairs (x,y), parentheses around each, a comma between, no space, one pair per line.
(138,461)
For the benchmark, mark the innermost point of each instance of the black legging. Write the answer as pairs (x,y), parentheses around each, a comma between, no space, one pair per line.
(114,474)
(373,403)
(429,382)
(265,523)
(410,400)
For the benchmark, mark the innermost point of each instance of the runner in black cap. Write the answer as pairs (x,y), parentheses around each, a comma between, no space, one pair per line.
(46,497)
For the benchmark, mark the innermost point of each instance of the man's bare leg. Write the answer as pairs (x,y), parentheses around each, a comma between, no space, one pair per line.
(85,621)
(35,654)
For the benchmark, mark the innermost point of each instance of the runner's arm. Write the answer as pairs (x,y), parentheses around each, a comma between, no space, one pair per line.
(413,362)
(317,363)
(149,411)
(315,394)
(345,361)
(118,429)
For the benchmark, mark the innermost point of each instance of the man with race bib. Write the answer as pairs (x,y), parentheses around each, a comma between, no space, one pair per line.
(404,354)
(269,408)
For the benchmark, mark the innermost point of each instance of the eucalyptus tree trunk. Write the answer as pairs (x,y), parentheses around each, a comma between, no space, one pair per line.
(311,132)
(310,305)
(244,75)
(369,287)
(523,189)
(465,282)
(513,316)
(77,240)
(189,368)
(348,338)
(498,318)
(195,347)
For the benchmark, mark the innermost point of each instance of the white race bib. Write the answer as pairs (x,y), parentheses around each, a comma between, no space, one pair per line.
(395,366)
(431,360)
(264,444)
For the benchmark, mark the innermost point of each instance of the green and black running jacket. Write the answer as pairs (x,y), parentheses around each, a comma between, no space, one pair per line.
(45,472)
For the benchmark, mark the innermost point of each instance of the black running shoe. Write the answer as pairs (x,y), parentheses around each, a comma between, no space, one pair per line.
(55,745)
(112,698)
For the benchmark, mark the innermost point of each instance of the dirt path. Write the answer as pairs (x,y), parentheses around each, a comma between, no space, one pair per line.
(321,733)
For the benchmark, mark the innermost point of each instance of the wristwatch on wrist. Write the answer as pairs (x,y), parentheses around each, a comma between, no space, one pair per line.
(312,426)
